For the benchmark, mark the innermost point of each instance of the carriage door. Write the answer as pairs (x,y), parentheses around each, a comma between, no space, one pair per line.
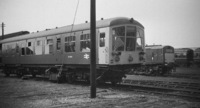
(102,44)
(58,50)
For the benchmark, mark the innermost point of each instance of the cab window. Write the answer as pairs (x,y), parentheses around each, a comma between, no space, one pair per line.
(140,41)
(130,38)
(118,38)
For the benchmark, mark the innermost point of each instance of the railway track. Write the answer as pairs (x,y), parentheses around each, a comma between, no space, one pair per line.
(183,89)
(187,76)
(175,88)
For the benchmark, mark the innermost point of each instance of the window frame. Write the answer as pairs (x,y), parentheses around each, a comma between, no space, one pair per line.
(102,41)
(134,37)
(69,40)
(85,37)
(124,38)
(58,43)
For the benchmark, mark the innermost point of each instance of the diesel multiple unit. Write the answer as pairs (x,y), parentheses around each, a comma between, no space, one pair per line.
(64,53)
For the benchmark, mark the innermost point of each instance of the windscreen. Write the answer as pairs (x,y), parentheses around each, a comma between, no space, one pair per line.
(127,38)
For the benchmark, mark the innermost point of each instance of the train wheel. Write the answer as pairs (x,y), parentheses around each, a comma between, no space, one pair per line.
(54,77)
(114,83)
(19,74)
(70,78)
(59,79)
(33,74)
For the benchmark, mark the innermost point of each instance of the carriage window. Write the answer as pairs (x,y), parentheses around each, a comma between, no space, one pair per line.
(58,44)
(118,38)
(102,40)
(49,46)
(29,49)
(29,44)
(70,44)
(85,43)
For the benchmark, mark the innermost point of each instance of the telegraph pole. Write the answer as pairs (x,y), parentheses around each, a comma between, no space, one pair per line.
(93,49)
(2,26)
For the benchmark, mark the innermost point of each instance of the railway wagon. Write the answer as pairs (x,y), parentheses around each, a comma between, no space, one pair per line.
(160,57)
(64,53)
(184,56)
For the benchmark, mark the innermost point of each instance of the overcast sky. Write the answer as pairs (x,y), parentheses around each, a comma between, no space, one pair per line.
(166,22)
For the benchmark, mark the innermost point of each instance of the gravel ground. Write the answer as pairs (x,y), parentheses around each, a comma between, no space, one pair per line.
(40,93)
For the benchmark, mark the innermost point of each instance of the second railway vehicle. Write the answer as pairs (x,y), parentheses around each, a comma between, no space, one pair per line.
(64,53)
(160,58)
(187,56)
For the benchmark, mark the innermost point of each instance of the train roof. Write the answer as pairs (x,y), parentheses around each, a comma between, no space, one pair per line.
(182,49)
(14,34)
(78,27)
(158,46)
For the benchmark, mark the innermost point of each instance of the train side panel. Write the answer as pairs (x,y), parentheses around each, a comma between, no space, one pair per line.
(154,56)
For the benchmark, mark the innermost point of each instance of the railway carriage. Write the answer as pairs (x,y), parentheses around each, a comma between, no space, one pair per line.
(187,56)
(64,53)
(197,56)
(182,54)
